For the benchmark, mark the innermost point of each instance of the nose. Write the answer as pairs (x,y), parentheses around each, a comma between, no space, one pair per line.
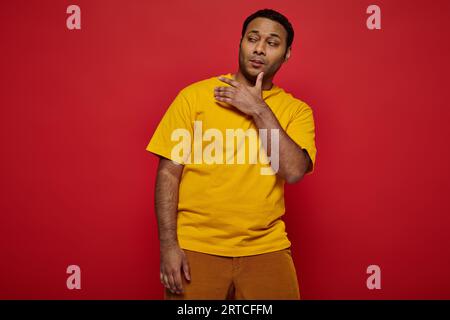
(260,48)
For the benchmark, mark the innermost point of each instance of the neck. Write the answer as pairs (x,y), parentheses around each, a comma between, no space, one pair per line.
(239,77)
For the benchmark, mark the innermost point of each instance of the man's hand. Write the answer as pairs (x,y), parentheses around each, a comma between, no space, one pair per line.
(293,161)
(247,99)
(173,261)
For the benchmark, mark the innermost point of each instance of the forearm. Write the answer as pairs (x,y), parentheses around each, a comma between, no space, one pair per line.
(292,159)
(166,204)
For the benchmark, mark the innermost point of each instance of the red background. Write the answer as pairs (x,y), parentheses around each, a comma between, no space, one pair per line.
(79,107)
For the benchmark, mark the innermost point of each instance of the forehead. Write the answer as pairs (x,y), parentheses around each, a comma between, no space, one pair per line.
(266,27)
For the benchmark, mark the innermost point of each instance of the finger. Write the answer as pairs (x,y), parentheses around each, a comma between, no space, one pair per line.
(231,82)
(186,269)
(224,99)
(166,281)
(171,283)
(221,89)
(161,277)
(178,282)
(259,80)
(224,94)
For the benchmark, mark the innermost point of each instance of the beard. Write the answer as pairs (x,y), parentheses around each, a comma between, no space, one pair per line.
(243,66)
(251,78)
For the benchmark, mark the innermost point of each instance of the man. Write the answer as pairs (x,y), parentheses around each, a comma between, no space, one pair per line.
(219,220)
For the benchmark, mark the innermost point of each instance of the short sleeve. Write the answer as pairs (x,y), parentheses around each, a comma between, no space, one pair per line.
(174,131)
(301,129)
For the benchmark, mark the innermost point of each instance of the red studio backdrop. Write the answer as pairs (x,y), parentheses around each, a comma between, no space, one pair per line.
(78,108)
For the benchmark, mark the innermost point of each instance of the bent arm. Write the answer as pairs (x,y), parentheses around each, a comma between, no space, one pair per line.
(294,161)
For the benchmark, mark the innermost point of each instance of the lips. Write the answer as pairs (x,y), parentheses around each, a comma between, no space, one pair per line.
(256,63)
(259,61)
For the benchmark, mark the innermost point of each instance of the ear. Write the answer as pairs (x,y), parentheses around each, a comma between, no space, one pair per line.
(287,55)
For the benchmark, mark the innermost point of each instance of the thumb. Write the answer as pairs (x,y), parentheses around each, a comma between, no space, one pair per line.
(259,80)
(186,270)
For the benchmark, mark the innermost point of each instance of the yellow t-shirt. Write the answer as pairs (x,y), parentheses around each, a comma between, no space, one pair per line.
(228,208)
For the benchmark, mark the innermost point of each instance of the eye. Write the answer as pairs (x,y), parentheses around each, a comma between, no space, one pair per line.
(251,39)
(273,44)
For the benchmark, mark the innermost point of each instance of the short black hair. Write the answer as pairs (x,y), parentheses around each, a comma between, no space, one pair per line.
(275,16)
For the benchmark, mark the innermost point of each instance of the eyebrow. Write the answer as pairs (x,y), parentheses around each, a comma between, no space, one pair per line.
(272,34)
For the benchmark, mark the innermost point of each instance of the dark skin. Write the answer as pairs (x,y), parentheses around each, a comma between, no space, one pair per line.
(265,40)
(173,261)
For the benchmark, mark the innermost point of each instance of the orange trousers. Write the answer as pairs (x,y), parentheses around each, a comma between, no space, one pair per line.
(267,276)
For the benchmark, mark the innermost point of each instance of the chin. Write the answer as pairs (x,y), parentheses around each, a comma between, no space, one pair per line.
(252,73)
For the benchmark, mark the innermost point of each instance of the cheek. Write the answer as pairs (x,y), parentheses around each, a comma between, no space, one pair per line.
(274,65)
(246,49)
